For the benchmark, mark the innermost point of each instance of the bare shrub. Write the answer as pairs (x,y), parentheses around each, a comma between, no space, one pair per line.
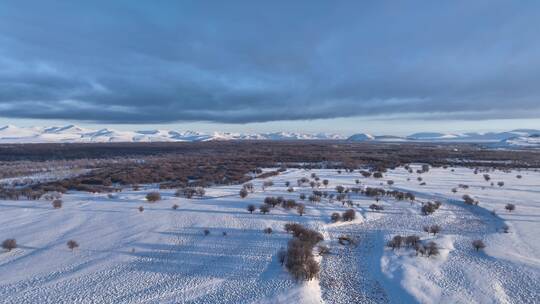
(349,215)
(302,196)
(267,230)
(432,249)
(325,182)
(340,189)
(9,244)
(282,256)
(429,207)
(412,240)
(264,209)
(206,232)
(478,244)
(243,193)
(510,207)
(267,184)
(435,229)
(72,244)
(395,242)
(335,217)
(141,208)
(323,250)
(469,200)
(505,228)
(153,197)
(57,204)
(390,182)
(377,175)
(300,208)
(345,240)
(500,184)
(312,269)
(376,207)
(175,206)
(251,208)
(224,233)
(248,187)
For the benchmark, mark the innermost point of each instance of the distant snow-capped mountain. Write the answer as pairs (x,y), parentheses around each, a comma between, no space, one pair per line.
(76,134)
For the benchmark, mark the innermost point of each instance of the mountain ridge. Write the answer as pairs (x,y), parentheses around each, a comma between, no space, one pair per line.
(76,134)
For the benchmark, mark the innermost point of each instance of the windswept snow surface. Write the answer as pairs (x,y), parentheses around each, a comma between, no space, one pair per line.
(162,256)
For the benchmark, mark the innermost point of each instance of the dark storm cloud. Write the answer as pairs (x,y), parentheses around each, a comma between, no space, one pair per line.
(237,62)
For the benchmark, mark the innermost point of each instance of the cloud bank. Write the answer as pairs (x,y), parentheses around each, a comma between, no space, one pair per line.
(241,62)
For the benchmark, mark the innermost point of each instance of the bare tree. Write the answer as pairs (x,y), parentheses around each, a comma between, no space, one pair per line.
(478,244)
(57,204)
(335,217)
(282,255)
(72,244)
(349,215)
(432,249)
(435,229)
(9,244)
(153,196)
(325,183)
(510,207)
(264,209)
(251,208)
(243,193)
(300,208)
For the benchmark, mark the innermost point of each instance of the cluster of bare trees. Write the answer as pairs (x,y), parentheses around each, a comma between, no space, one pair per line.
(298,258)
(272,202)
(434,229)
(190,192)
(10,244)
(413,241)
(429,207)
(375,207)
(398,241)
(469,200)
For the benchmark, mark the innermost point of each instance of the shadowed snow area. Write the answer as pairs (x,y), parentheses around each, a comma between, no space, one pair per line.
(161,255)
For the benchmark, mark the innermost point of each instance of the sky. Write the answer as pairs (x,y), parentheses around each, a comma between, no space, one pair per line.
(384,67)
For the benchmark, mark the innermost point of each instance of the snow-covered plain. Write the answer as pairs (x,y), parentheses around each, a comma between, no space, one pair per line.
(161,255)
